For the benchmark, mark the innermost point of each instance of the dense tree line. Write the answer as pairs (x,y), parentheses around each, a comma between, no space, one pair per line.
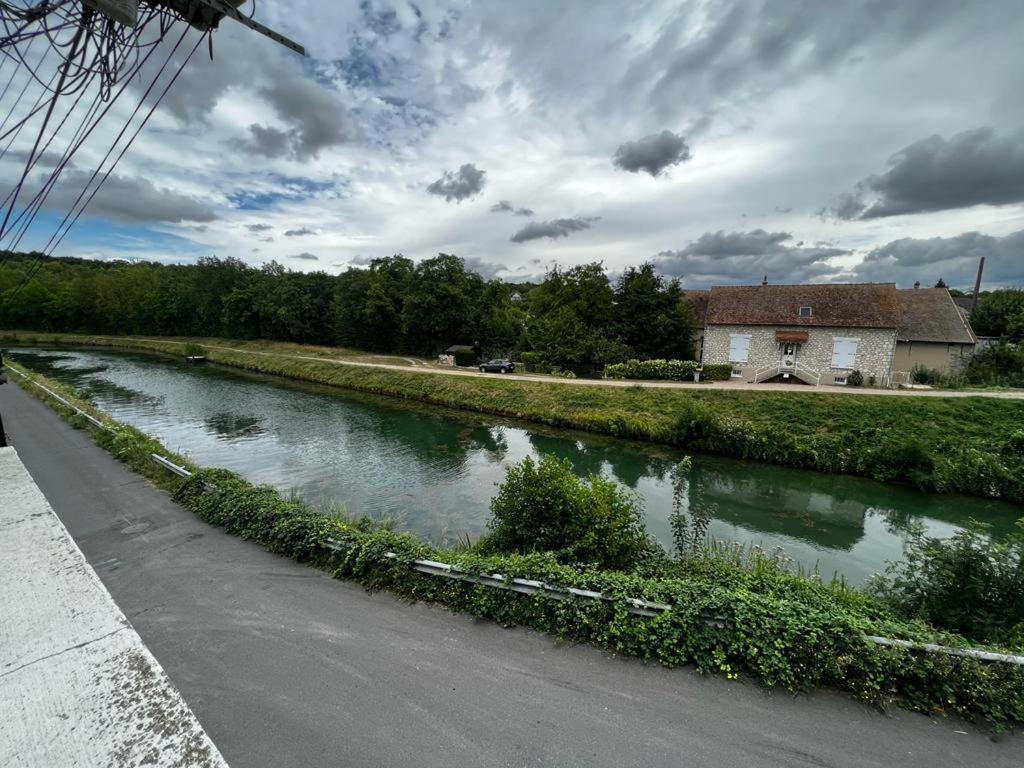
(575,318)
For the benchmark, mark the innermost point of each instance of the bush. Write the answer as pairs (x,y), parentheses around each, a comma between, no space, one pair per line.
(194,350)
(921,374)
(717,372)
(670,370)
(999,365)
(967,584)
(545,507)
(855,379)
(532,363)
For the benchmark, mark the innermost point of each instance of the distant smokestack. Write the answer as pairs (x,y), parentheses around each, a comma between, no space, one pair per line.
(764,280)
(917,283)
(977,283)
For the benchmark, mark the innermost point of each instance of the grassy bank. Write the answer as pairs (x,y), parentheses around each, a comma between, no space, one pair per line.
(776,627)
(947,445)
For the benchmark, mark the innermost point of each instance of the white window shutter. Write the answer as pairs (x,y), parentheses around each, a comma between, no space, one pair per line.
(844,353)
(739,347)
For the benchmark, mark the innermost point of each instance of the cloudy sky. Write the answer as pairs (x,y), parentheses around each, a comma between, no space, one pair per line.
(722,140)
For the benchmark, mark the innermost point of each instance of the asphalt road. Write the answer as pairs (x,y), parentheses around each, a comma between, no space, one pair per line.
(285,666)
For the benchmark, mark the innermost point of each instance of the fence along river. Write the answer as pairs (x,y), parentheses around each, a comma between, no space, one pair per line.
(434,471)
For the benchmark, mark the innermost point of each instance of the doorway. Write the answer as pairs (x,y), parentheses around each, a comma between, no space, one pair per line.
(789,351)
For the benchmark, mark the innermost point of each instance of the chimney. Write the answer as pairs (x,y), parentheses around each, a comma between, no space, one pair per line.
(917,283)
(977,284)
(764,280)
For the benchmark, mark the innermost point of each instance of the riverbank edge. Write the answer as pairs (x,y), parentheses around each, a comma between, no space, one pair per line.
(703,421)
(813,641)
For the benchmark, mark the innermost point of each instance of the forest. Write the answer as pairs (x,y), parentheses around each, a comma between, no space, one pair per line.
(575,318)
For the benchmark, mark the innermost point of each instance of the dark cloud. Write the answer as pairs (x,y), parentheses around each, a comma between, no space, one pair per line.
(128,199)
(459,185)
(652,154)
(505,206)
(485,269)
(306,256)
(745,257)
(299,232)
(311,112)
(552,229)
(258,227)
(976,167)
(954,259)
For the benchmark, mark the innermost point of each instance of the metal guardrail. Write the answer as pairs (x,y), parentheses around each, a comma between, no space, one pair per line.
(94,421)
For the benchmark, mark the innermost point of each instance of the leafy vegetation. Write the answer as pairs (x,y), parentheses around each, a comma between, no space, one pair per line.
(947,445)
(574,319)
(545,507)
(967,584)
(1000,365)
(1000,313)
(672,370)
(733,613)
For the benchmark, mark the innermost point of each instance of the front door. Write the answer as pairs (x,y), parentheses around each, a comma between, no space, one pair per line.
(788,354)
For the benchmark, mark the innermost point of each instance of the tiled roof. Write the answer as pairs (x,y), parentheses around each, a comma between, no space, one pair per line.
(930,314)
(698,301)
(838,305)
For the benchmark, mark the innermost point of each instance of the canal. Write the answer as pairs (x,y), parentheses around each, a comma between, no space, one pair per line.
(434,471)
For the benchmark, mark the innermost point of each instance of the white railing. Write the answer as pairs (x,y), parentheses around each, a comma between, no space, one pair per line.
(809,372)
(799,369)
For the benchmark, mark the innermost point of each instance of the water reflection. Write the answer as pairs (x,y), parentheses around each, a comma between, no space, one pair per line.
(435,470)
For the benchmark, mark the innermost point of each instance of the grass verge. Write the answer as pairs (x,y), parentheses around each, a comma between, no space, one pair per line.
(778,628)
(946,445)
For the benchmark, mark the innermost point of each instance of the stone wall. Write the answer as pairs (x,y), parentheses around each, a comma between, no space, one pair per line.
(875,349)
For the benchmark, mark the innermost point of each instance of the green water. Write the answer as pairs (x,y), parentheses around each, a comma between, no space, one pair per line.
(435,470)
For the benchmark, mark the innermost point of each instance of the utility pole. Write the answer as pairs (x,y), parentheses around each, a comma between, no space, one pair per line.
(977,284)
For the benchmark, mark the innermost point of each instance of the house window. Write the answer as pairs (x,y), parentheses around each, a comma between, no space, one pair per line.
(737,373)
(805,311)
(839,380)
(844,353)
(739,347)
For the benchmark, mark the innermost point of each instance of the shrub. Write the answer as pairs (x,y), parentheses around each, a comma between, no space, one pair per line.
(855,379)
(545,507)
(967,584)
(922,374)
(717,372)
(194,350)
(670,370)
(532,363)
(999,365)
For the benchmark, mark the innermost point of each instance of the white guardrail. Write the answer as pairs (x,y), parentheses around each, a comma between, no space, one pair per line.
(635,606)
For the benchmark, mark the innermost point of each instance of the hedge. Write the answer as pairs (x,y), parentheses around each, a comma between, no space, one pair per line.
(670,370)
(779,629)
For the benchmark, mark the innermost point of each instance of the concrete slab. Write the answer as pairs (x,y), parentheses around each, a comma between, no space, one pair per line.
(77,685)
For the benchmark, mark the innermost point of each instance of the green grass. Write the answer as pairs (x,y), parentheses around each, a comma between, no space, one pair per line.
(939,444)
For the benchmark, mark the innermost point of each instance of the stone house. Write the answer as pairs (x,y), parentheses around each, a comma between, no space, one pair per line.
(934,332)
(808,334)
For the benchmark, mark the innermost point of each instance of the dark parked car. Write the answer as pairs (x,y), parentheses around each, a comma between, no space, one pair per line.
(498,366)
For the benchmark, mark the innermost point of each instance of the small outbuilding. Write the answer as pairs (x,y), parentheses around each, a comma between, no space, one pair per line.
(933,332)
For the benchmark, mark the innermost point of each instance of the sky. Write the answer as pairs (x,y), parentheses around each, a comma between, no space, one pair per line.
(722,141)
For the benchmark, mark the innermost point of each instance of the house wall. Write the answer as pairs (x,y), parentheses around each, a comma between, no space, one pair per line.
(945,358)
(875,349)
